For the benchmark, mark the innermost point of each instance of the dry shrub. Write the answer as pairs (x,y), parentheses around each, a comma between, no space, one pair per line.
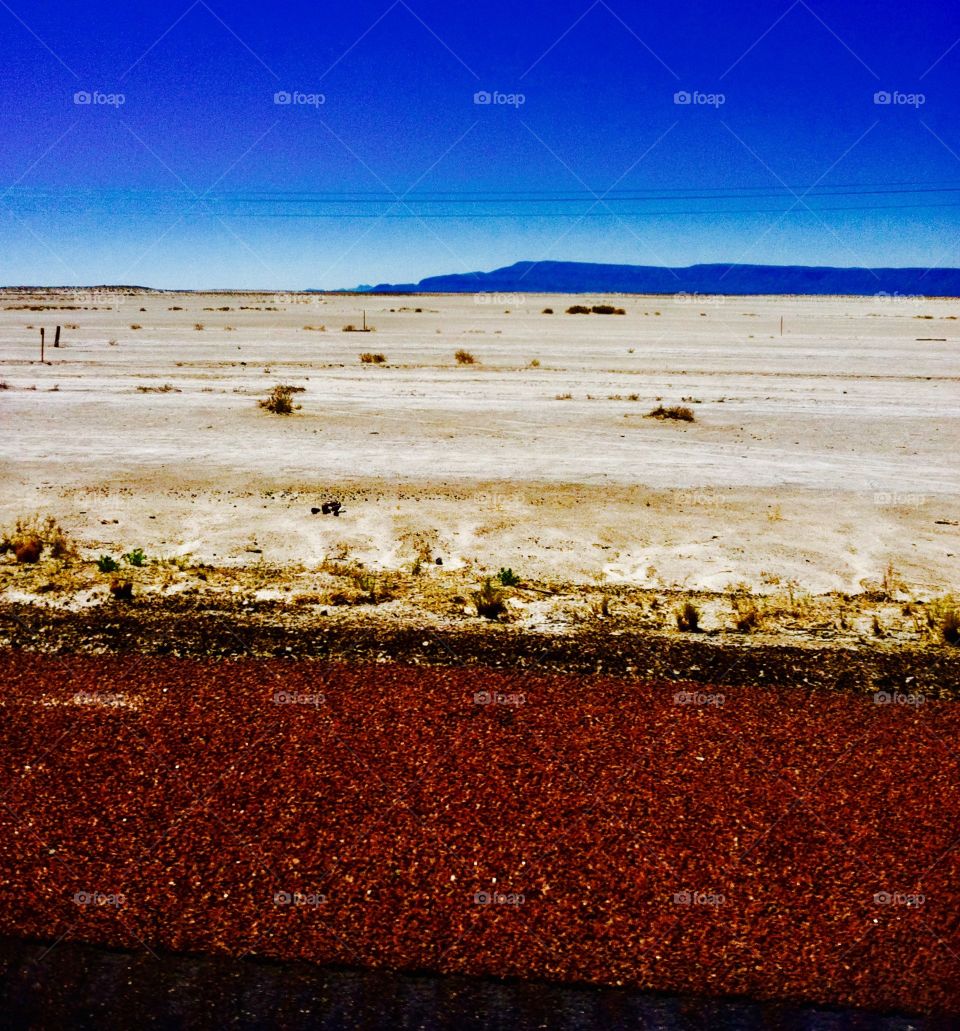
(489,600)
(31,535)
(465,357)
(950,626)
(28,549)
(135,325)
(607,309)
(198,326)
(373,358)
(547,311)
(688,618)
(678,412)
(943,616)
(578,309)
(167,388)
(892,581)
(365,588)
(280,399)
(747,616)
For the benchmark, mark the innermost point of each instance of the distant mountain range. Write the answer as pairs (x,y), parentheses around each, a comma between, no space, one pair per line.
(577,277)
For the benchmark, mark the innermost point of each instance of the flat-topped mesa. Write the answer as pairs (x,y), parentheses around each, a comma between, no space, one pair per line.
(723,279)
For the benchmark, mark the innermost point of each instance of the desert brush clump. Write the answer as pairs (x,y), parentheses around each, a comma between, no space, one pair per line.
(746,615)
(678,412)
(373,358)
(596,309)
(508,578)
(489,600)
(365,587)
(688,618)
(136,557)
(280,399)
(32,535)
(464,357)
(107,564)
(950,627)
(891,582)
(943,619)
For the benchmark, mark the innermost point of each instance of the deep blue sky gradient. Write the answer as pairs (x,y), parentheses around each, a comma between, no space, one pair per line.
(95,194)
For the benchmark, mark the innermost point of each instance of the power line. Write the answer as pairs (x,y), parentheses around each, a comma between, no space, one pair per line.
(521,196)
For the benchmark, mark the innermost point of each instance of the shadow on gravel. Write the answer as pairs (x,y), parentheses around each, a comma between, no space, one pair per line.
(78,986)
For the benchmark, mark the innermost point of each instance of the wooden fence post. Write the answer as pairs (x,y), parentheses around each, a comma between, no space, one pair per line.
(41,344)
(56,339)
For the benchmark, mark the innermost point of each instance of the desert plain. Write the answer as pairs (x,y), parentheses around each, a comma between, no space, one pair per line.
(821,461)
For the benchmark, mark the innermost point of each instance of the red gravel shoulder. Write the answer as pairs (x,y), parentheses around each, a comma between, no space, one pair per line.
(762,841)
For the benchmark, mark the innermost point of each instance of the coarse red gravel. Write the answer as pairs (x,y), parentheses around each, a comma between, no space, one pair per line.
(783,844)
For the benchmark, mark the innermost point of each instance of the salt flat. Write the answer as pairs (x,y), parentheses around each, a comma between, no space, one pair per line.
(818,456)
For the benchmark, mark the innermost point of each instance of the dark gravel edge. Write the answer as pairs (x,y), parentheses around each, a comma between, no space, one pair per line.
(201,630)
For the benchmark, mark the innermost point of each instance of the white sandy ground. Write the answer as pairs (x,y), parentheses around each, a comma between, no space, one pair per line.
(818,457)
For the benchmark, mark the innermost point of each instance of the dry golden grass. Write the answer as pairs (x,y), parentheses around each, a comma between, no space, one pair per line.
(688,617)
(31,535)
(678,412)
(280,400)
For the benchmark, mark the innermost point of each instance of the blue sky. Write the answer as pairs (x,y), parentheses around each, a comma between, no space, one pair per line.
(184,171)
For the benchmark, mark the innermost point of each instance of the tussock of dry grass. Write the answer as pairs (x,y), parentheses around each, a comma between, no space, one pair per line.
(677,412)
(280,400)
(943,618)
(489,600)
(688,618)
(32,535)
